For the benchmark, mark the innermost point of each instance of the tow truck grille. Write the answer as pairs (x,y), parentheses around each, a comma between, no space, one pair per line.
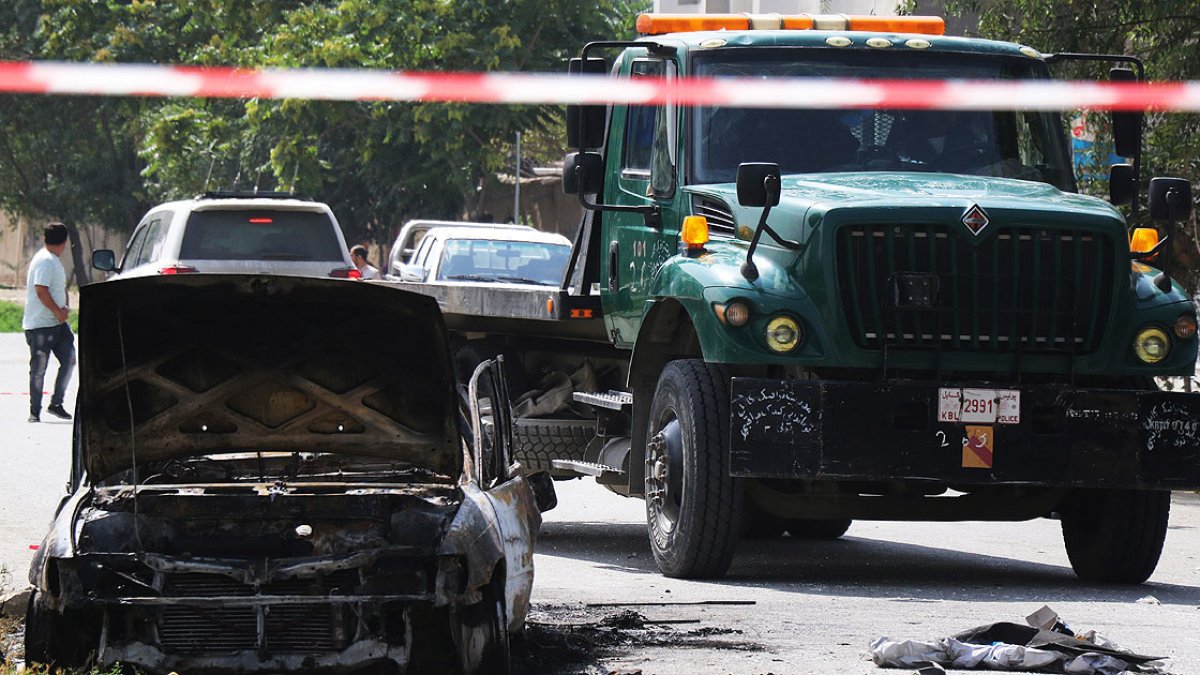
(1022,289)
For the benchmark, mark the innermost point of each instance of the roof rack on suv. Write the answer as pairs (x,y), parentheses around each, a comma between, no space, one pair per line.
(232,194)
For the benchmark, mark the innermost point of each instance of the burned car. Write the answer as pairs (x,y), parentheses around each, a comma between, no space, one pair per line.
(279,473)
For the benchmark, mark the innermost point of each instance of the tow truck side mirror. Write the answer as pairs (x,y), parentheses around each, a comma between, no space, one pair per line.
(1170,199)
(585,123)
(104,260)
(1121,184)
(1127,125)
(583,173)
(751,184)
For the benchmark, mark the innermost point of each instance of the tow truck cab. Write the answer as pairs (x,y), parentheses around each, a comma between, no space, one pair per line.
(876,313)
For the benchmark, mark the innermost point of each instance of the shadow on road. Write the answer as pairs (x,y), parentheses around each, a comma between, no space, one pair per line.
(860,567)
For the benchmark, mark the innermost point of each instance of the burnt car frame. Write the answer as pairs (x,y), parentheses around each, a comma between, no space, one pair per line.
(255,486)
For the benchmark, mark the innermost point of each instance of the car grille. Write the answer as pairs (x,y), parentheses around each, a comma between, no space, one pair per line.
(186,629)
(1022,289)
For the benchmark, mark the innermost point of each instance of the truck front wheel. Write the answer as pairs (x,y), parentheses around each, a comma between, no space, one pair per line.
(693,506)
(1115,535)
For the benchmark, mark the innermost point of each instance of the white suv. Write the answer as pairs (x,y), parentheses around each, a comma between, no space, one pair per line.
(235,233)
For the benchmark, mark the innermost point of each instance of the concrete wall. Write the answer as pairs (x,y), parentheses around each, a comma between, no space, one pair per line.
(543,204)
(20,238)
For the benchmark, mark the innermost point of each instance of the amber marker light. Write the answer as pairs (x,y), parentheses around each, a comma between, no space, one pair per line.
(1143,240)
(733,313)
(657,24)
(695,232)
(926,25)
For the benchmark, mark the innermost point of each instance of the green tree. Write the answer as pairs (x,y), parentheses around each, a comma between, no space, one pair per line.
(67,158)
(376,163)
(1162,33)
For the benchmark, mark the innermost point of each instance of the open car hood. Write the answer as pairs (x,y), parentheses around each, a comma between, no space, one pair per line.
(203,364)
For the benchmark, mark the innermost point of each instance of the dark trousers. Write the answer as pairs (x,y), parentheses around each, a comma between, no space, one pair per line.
(60,341)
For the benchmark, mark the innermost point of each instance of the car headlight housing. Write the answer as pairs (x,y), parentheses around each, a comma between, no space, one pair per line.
(783,334)
(1152,345)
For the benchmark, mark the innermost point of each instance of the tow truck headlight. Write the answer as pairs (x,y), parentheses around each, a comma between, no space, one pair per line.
(1185,326)
(783,334)
(1151,345)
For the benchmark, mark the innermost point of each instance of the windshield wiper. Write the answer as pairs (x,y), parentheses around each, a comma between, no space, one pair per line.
(469,277)
(525,280)
(283,256)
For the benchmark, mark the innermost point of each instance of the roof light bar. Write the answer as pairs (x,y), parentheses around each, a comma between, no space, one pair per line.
(658,24)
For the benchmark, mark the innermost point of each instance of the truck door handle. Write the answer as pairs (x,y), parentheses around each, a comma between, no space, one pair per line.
(613,260)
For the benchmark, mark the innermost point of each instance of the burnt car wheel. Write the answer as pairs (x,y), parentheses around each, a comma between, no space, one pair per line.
(693,506)
(1115,535)
(818,528)
(59,640)
(480,632)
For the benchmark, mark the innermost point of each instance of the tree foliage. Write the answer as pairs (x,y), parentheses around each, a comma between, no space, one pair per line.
(1163,33)
(376,163)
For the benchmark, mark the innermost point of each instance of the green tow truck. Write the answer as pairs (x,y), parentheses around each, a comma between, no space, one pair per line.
(785,320)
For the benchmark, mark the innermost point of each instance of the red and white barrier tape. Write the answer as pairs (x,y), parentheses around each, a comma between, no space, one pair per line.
(375,85)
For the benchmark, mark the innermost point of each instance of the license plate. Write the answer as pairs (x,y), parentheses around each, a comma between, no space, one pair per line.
(979,406)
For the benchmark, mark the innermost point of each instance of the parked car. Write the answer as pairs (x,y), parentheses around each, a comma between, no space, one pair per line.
(235,233)
(414,231)
(485,254)
(270,492)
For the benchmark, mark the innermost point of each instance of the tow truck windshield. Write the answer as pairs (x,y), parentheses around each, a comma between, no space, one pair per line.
(1023,145)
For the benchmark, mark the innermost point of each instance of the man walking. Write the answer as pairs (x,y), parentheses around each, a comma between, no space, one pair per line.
(359,255)
(45,323)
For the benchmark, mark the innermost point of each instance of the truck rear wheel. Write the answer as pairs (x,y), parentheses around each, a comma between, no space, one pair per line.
(693,506)
(1115,535)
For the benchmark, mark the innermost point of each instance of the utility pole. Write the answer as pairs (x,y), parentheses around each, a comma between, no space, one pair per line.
(517,185)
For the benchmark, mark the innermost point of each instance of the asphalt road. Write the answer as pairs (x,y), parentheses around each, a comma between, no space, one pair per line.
(808,607)
(35,461)
(817,605)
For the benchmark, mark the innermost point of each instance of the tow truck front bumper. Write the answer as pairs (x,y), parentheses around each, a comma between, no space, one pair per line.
(1064,436)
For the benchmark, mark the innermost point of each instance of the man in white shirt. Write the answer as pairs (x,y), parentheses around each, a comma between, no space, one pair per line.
(45,323)
(359,255)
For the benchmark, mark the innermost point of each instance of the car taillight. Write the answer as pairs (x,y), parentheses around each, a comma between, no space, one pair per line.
(179,269)
(346,273)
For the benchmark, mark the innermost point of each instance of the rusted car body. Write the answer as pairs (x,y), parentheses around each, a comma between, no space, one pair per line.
(276,473)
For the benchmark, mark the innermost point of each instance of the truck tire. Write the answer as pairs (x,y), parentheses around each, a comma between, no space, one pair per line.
(538,442)
(818,528)
(1115,536)
(693,506)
